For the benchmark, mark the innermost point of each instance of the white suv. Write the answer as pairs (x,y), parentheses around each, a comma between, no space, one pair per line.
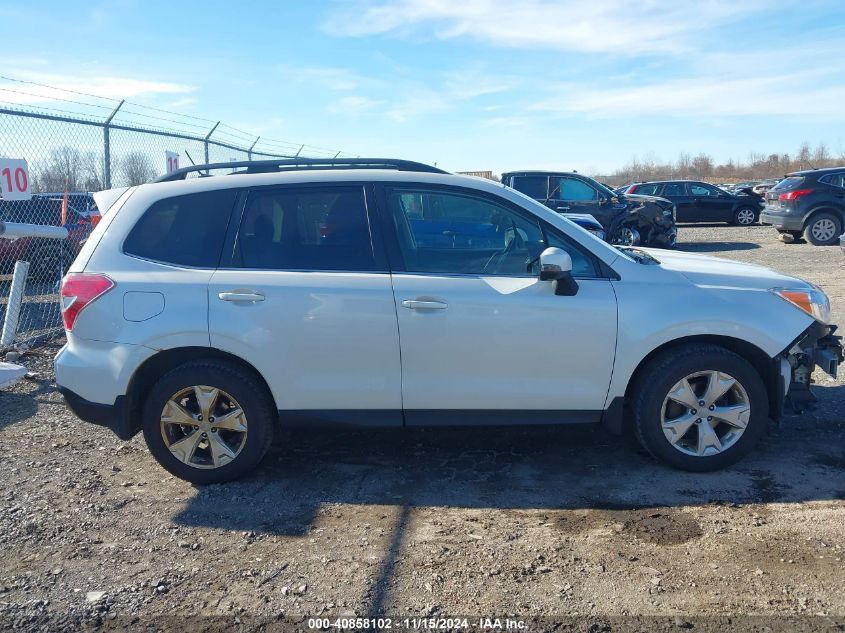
(208,311)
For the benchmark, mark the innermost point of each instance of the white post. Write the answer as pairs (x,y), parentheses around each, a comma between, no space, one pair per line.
(13,306)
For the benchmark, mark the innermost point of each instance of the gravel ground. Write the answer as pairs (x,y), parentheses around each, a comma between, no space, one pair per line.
(559,529)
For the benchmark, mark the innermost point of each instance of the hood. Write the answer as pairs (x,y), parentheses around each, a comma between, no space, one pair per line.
(663,203)
(704,270)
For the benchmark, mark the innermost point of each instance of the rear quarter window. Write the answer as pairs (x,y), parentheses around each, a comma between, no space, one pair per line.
(184,230)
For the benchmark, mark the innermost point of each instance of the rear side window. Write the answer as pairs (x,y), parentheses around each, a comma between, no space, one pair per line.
(673,189)
(836,180)
(646,190)
(306,229)
(534,186)
(183,230)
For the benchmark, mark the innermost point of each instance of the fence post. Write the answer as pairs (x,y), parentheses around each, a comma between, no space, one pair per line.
(251,147)
(107,146)
(13,306)
(208,136)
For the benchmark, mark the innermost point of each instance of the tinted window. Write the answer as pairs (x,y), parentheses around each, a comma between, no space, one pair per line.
(571,189)
(534,186)
(837,180)
(789,183)
(462,234)
(305,229)
(645,190)
(184,230)
(673,189)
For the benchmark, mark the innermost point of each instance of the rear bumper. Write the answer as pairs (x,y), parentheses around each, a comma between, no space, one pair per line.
(112,416)
(782,222)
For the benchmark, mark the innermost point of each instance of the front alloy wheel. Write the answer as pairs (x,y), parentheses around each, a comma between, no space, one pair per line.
(699,407)
(705,413)
(745,217)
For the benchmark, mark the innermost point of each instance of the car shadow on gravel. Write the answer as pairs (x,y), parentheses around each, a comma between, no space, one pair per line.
(540,468)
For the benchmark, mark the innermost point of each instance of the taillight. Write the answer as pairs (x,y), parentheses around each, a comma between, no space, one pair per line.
(78,290)
(792,195)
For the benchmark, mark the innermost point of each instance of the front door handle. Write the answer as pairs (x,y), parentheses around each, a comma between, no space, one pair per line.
(241,296)
(563,208)
(413,304)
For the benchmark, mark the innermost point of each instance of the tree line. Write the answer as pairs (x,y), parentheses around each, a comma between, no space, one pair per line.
(702,167)
(85,170)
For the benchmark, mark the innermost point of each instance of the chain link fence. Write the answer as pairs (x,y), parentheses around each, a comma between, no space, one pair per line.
(99,144)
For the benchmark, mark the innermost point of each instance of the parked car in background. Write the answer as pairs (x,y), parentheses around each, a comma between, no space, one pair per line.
(761,188)
(630,220)
(46,257)
(208,312)
(808,204)
(842,242)
(702,202)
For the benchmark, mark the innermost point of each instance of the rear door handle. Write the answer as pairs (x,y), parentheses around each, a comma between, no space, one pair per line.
(241,296)
(413,304)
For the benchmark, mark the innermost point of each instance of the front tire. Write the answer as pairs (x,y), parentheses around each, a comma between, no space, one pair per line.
(823,229)
(699,407)
(208,421)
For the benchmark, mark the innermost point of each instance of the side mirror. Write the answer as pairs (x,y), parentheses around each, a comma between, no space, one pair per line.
(556,265)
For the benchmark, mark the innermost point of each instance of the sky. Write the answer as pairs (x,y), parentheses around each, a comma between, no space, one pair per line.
(466,84)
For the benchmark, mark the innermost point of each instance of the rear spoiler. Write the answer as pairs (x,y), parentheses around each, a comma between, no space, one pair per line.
(105,199)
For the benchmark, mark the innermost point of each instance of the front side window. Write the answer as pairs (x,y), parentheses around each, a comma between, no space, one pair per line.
(533,186)
(305,229)
(184,230)
(571,189)
(458,233)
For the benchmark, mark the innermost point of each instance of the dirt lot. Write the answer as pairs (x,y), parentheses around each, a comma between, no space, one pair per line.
(561,529)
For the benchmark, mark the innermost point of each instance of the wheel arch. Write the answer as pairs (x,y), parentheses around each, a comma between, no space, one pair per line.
(766,367)
(824,208)
(146,375)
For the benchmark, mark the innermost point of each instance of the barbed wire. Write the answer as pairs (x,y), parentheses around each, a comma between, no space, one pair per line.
(245,137)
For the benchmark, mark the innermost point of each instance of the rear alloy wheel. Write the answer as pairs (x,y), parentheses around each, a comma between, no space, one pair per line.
(745,217)
(823,229)
(700,407)
(208,421)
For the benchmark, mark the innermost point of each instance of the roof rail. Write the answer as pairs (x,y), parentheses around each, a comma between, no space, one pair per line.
(295,164)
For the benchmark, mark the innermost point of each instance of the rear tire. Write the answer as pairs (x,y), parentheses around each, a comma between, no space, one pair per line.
(182,432)
(694,436)
(823,229)
(745,216)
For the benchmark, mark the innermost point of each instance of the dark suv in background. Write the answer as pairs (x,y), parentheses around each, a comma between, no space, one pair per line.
(702,202)
(808,204)
(630,220)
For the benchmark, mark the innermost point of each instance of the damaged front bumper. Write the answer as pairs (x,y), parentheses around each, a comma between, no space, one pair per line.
(818,346)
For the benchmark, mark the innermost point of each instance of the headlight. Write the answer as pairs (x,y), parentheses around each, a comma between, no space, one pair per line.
(598,233)
(813,301)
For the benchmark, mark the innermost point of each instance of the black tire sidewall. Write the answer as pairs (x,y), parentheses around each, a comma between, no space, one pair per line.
(808,229)
(242,387)
(663,374)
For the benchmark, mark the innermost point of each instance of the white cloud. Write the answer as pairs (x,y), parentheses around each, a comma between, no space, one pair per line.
(615,26)
(108,86)
(701,96)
